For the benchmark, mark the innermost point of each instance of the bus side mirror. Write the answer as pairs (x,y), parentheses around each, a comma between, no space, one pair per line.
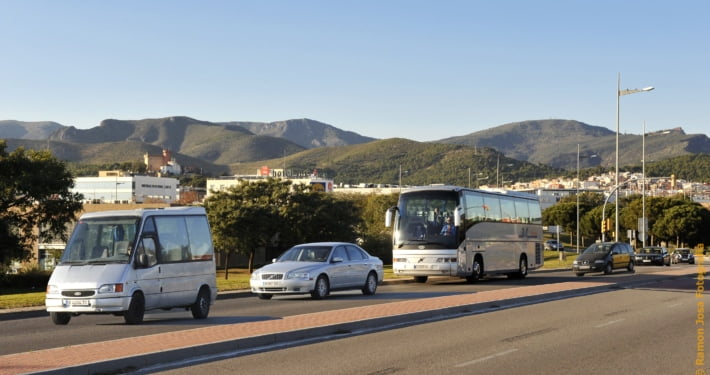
(388,217)
(457,217)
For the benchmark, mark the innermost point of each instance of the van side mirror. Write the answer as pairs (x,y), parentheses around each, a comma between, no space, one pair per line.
(141,260)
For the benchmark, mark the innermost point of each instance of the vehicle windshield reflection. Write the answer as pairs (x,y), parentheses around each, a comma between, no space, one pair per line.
(306,254)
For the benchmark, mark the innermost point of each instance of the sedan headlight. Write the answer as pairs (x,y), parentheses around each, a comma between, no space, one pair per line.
(298,275)
(574,262)
(255,275)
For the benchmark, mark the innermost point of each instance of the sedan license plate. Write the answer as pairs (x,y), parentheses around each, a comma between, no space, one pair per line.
(79,302)
(583,267)
(647,260)
(270,283)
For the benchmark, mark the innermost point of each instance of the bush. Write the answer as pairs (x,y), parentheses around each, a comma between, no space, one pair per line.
(32,278)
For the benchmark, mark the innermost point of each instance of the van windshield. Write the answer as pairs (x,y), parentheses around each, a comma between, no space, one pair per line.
(102,240)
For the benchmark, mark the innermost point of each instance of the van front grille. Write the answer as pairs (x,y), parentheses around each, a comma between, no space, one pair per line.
(77,293)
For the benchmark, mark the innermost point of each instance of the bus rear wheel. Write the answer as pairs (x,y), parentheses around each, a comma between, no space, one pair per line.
(522,269)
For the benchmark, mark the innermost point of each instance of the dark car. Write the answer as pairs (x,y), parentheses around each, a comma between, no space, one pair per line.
(683,255)
(554,245)
(653,255)
(604,257)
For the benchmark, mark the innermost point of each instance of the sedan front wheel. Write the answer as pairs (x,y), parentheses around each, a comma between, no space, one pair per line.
(370,284)
(322,288)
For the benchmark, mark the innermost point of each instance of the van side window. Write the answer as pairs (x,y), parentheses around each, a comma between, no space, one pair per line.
(198,231)
(172,236)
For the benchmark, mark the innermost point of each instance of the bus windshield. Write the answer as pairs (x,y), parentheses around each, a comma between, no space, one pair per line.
(427,217)
(101,240)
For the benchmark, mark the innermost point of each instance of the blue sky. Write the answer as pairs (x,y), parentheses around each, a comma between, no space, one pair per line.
(422,70)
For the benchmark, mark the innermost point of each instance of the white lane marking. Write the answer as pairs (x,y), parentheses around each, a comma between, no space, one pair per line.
(609,323)
(675,304)
(486,358)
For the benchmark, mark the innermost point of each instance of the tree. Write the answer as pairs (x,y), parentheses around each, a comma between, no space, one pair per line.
(35,201)
(562,214)
(683,223)
(376,238)
(276,214)
(245,217)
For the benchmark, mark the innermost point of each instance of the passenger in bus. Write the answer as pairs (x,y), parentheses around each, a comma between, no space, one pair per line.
(436,217)
(448,229)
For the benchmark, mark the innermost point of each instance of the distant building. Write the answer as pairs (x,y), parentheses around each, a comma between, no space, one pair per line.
(120,187)
(225,182)
(163,164)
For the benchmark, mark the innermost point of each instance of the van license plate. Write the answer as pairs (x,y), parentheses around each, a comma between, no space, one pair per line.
(80,302)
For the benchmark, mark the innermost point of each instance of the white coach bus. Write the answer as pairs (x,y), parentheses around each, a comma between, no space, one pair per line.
(494,232)
(125,262)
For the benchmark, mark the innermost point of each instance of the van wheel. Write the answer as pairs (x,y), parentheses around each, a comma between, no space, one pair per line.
(322,288)
(60,318)
(136,309)
(201,308)
(420,279)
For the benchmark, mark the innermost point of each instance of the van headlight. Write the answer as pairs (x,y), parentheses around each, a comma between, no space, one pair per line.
(53,289)
(111,288)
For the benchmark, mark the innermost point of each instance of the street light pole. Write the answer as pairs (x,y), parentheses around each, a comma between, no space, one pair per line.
(643,186)
(577,188)
(577,194)
(619,94)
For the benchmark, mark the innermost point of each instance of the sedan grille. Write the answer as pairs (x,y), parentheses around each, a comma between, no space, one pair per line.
(272,276)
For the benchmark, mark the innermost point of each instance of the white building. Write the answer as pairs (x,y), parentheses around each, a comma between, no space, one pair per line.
(222,183)
(118,187)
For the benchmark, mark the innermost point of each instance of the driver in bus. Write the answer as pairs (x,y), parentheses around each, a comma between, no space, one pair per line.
(448,229)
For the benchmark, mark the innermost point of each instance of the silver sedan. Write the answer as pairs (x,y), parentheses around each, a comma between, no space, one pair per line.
(318,268)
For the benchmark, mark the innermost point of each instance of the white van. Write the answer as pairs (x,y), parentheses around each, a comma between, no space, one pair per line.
(127,262)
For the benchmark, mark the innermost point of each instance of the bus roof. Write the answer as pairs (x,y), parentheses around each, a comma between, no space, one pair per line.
(510,193)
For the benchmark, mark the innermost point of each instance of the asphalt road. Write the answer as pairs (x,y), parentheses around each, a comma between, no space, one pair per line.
(22,335)
(648,329)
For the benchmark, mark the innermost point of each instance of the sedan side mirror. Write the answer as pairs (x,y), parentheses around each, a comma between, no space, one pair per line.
(337,260)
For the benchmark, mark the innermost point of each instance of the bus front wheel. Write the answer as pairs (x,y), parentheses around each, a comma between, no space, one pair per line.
(476,272)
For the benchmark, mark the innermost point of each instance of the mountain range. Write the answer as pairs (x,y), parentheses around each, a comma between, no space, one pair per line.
(534,147)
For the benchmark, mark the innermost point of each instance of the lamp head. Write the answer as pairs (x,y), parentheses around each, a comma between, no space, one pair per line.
(649,88)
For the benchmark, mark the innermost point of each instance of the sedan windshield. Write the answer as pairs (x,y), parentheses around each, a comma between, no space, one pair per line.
(650,250)
(306,254)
